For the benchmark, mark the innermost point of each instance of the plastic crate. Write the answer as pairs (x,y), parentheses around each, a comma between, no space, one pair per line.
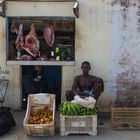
(78,125)
(39,101)
(125,118)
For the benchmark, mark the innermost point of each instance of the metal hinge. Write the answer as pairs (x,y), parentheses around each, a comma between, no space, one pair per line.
(2,8)
(76,9)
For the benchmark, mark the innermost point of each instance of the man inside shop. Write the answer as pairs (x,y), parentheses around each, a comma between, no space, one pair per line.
(86,85)
(39,84)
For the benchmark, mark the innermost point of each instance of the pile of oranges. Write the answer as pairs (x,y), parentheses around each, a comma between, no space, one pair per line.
(41,115)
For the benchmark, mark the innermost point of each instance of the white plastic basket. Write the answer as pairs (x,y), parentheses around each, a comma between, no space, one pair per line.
(78,124)
(40,100)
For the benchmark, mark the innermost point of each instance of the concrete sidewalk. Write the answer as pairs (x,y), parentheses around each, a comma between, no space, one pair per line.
(105,132)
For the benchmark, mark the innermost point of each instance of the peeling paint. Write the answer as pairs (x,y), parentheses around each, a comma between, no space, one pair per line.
(114,2)
(138,13)
(134,4)
(125,50)
(121,2)
(124,3)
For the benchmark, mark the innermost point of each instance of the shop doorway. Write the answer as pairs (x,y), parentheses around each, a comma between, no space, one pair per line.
(41,79)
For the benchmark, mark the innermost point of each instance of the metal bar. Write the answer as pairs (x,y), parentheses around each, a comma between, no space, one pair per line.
(7,39)
(58,63)
(75,9)
(42,0)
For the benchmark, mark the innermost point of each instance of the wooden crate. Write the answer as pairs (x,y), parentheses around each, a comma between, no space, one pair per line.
(36,101)
(125,118)
(78,125)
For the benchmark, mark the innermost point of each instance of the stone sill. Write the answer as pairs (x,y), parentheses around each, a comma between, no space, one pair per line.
(69,63)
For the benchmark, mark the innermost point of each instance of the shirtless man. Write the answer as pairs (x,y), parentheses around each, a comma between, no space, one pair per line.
(86,84)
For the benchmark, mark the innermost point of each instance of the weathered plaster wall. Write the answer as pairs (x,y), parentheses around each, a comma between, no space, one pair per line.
(125,50)
(11,73)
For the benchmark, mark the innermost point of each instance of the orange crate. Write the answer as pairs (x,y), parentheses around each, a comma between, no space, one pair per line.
(39,101)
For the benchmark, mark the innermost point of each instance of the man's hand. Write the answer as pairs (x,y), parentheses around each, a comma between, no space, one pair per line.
(97,87)
(78,92)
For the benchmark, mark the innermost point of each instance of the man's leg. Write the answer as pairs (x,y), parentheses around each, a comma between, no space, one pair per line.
(96,96)
(98,88)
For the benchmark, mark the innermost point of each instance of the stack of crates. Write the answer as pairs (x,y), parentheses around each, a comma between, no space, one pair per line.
(78,125)
(39,101)
(125,118)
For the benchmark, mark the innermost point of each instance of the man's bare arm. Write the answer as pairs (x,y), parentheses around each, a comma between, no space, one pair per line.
(75,85)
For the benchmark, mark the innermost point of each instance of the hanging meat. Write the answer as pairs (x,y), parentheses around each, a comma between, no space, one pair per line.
(13,28)
(19,41)
(26,58)
(32,43)
(49,35)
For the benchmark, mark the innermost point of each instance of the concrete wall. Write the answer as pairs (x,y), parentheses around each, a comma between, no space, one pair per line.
(125,50)
(13,97)
(12,73)
(92,42)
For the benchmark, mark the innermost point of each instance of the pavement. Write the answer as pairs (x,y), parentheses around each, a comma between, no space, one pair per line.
(105,132)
